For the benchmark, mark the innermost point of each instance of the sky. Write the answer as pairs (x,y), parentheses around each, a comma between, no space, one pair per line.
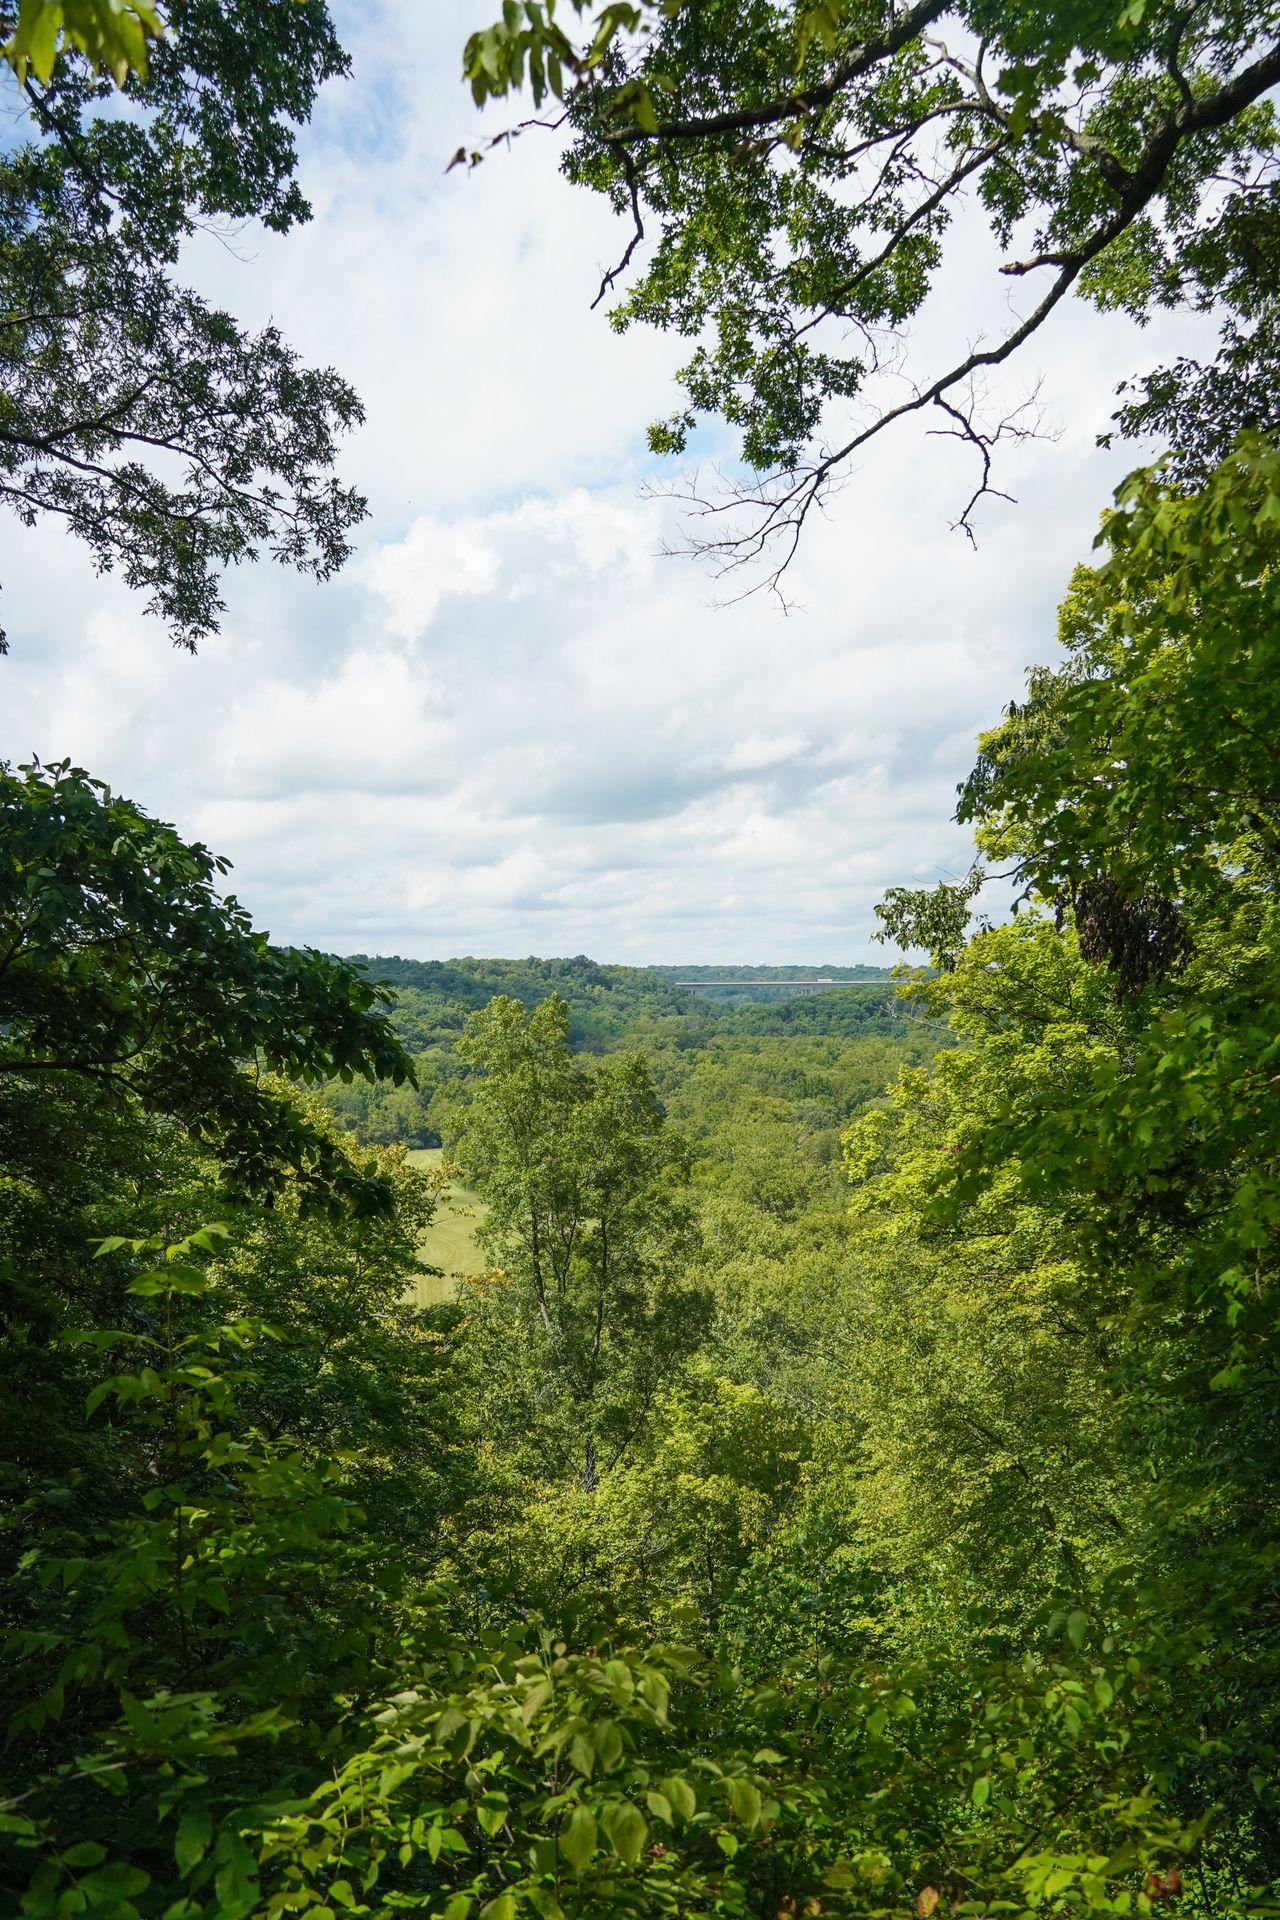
(511,725)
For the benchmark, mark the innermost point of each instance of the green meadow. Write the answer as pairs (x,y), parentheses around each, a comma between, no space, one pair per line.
(450,1241)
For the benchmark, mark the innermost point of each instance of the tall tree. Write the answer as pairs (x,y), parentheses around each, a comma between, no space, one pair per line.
(159,431)
(789,173)
(586,1219)
(1117,1105)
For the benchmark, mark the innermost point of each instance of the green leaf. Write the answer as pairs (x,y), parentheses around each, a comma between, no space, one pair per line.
(117,1881)
(643,111)
(608,1743)
(681,1794)
(195,1831)
(628,1832)
(578,1838)
(744,1798)
(235,1883)
(492,1812)
(85,1853)
(99,1393)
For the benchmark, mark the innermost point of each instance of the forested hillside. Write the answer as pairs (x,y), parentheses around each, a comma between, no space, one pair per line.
(826,1053)
(849,1485)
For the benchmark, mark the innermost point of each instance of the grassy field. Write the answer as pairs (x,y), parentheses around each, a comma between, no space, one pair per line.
(450,1241)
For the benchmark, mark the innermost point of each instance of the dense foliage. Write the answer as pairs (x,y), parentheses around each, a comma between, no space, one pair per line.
(831,1049)
(120,966)
(725,1548)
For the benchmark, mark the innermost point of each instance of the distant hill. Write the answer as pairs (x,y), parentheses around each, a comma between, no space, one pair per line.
(606,1001)
(612,1007)
(469,982)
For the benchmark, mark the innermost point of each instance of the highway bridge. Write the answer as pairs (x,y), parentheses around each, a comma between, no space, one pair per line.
(809,985)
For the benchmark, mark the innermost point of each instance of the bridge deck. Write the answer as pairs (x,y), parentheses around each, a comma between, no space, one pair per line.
(742,986)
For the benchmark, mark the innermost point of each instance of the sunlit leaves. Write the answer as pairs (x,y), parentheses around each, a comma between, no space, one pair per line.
(578,1839)
(112,34)
(529,45)
(1079,1207)
(627,1832)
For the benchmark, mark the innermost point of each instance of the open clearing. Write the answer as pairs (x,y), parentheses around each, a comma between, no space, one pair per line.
(450,1241)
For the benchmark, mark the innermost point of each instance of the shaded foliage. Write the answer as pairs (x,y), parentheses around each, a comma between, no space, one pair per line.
(120,964)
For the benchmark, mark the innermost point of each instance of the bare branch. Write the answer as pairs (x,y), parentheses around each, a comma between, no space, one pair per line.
(633,185)
(1011,427)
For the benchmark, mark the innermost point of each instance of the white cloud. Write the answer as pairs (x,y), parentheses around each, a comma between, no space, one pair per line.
(413,576)
(509,727)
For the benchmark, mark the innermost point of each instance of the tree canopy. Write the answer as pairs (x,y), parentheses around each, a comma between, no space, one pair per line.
(160,432)
(790,177)
(583,1179)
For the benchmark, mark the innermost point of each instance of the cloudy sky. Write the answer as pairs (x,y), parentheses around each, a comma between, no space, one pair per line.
(510,727)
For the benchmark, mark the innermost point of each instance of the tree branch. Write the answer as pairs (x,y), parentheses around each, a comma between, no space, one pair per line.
(785,500)
(633,185)
(858,61)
